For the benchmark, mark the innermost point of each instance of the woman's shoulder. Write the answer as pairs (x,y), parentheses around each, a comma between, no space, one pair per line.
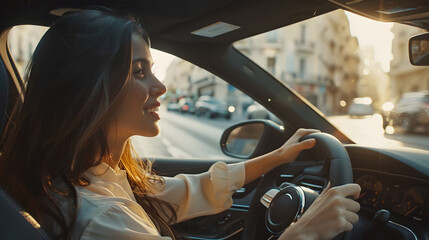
(111,217)
(94,203)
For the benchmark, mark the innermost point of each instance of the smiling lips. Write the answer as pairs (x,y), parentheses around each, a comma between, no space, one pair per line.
(152,111)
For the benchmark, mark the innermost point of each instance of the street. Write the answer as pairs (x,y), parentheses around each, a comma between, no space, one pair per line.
(185,136)
(368,131)
(188,136)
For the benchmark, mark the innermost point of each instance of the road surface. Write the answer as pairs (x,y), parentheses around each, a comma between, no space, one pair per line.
(189,136)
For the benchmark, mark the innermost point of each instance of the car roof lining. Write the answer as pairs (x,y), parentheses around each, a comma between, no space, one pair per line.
(252,21)
(175,20)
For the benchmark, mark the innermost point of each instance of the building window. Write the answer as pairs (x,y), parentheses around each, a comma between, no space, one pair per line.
(30,48)
(302,67)
(271,37)
(271,65)
(303,34)
(20,57)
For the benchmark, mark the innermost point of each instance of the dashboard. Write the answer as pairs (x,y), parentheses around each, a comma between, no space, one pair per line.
(394,181)
(403,197)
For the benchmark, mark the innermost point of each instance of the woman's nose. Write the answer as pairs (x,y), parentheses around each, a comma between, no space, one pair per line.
(158,88)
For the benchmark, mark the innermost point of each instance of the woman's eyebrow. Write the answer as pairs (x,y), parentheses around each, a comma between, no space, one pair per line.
(143,60)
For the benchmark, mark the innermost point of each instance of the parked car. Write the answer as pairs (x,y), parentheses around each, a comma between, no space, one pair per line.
(361,107)
(409,113)
(172,106)
(257,111)
(186,105)
(211,108)
(395,181)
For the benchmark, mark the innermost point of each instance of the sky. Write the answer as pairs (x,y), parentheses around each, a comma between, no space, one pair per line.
(374,34)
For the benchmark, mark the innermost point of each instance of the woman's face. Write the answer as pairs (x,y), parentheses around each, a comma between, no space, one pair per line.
(137,113)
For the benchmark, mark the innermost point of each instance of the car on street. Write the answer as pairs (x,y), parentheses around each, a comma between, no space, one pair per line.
(211,107)
(216,35)
(409,113)
(186,105)
(173,106)
(361,107)
(257,111)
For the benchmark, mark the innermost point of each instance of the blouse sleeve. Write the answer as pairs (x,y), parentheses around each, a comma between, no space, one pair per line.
(207,193)
(119,222)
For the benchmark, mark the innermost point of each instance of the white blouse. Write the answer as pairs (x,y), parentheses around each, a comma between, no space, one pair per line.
(107,208)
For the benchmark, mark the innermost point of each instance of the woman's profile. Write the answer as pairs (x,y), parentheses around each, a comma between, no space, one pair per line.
(69,161)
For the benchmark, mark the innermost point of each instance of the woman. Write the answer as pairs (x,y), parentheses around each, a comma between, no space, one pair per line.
(69,161)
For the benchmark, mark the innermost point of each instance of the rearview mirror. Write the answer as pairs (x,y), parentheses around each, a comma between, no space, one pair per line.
(418,48)
(252,138)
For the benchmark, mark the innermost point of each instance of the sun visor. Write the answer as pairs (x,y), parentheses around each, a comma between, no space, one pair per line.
(215,29)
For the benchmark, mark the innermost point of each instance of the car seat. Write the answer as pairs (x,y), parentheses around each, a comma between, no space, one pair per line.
(15,223)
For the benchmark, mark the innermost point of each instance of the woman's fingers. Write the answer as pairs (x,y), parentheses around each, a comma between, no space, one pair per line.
(351,217)
(347,226)
(352,205)
(292,147)
(346,190)
(333,212)
(304,131)
(326,188)
(304,145)
(300,133)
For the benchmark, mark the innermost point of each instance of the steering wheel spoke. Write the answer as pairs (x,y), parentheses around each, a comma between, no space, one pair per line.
(286,207)
(268,197)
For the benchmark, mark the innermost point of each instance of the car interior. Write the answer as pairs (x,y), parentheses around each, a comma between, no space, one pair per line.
(394,180)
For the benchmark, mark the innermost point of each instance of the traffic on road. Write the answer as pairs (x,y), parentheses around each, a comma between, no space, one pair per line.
(192,136)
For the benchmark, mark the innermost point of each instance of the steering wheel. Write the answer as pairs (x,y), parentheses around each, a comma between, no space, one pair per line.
(276,205)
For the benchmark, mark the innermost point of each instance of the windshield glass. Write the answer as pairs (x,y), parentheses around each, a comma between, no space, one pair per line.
(354,70)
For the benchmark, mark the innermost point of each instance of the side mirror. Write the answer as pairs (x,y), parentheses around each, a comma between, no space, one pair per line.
(252,138)
(418,48)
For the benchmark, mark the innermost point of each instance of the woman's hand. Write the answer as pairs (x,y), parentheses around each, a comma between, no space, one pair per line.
(292,147)
(285,154)
(330,214)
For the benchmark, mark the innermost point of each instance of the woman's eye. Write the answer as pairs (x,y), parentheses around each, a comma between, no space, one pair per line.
(139,73)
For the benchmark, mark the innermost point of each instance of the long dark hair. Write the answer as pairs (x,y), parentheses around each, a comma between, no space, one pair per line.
(74,83)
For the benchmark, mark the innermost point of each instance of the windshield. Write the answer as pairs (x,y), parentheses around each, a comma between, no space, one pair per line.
(355,71)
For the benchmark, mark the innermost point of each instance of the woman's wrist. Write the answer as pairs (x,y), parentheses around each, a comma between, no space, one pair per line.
(279,157)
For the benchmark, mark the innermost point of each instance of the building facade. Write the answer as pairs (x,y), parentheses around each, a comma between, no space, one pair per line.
(373,81)
(22,42)
(405,77)
(318,58)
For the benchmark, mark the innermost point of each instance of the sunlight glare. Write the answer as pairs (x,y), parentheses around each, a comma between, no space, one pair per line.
(375,35)
(388,106)
(161,61)
(390,130)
